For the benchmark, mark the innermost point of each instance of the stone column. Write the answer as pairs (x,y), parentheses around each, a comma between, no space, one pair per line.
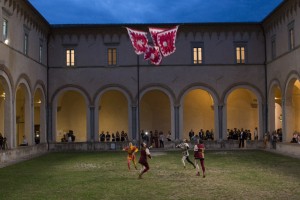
(92,124)
(49,127)
(134,123)
(220,121)
(176,113)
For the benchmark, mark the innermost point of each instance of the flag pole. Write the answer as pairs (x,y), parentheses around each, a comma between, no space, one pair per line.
(138,100)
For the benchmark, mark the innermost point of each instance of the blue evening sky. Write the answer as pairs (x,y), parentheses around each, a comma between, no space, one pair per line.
(153,11)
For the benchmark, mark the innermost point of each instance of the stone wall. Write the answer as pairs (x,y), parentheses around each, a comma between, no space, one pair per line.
(27,152)
(22,153)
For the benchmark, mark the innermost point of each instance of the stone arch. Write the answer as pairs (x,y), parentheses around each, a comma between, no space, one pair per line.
(275,101)
(23,111)
(6,108)
(212,109)
(110,88)
(290,111)
(149,107)
(258,103)
(83,121)
(40,104)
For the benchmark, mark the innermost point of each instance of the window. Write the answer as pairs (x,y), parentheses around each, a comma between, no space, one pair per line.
(291,36)
(112,56)
(70,57)
(197,48)
(41,53)
(240,52)
(273,47)
(5,30)
(197,55)
(291,39)
(26,44)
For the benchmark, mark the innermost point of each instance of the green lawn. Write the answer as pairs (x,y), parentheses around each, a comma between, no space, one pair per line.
(104,175)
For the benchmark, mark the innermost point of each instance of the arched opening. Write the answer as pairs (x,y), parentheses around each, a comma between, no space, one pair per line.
(292,109)
(155,114)
(242,113)
(278,108)
(23,127)
(113,115)
(2,108)
(6,114)
(71,117)
(39,117)
(198,115)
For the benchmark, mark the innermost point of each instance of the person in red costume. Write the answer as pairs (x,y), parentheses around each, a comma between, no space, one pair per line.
(199,155)
(131,150)
(145,153)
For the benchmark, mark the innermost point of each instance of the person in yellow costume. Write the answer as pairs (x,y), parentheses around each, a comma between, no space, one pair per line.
(131,150)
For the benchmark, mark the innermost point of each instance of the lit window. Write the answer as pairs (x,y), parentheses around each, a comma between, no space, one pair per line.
(112,56)
(240,54)
(70,57)
(26,44)
(5,29)
(197,52)
(197,55)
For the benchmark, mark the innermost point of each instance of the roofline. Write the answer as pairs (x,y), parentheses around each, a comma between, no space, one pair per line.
(37,12)
(149,24)
(274,11)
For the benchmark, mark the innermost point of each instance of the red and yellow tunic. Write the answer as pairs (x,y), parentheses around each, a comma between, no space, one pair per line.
(131,150)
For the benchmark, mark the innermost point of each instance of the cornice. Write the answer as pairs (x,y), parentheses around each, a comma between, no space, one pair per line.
(30,16)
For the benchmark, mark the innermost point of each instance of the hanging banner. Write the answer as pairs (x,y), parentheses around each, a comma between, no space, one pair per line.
(153,54)
(166,41)
(139,40)
(163,40)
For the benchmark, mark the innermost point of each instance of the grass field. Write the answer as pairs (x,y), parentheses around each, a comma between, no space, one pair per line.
(104,175)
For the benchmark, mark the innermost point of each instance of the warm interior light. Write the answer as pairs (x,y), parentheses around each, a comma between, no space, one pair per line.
(6,41)
(39,101)
(3,95)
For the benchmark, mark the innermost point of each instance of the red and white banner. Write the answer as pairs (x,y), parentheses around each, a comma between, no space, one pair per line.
(163,40)
(139,40)
(153,54)
(166,41)
(154,32)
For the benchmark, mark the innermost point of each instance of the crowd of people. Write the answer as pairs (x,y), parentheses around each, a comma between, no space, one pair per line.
(296,137)
(155,139)
(273,138)
(202,135)
(118,137)
(68,137)
(3,143)
(237,134)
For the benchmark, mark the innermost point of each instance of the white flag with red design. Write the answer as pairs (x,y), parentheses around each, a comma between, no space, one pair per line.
(139,40)
(154,32)
(166,41)
(153,54)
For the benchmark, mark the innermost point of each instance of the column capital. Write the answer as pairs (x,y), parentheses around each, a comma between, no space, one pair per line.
(177,105)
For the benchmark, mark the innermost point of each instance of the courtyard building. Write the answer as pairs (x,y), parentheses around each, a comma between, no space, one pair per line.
(86,79)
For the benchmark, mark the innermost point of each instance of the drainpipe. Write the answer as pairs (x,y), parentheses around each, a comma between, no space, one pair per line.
(266,81)
(47,97)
